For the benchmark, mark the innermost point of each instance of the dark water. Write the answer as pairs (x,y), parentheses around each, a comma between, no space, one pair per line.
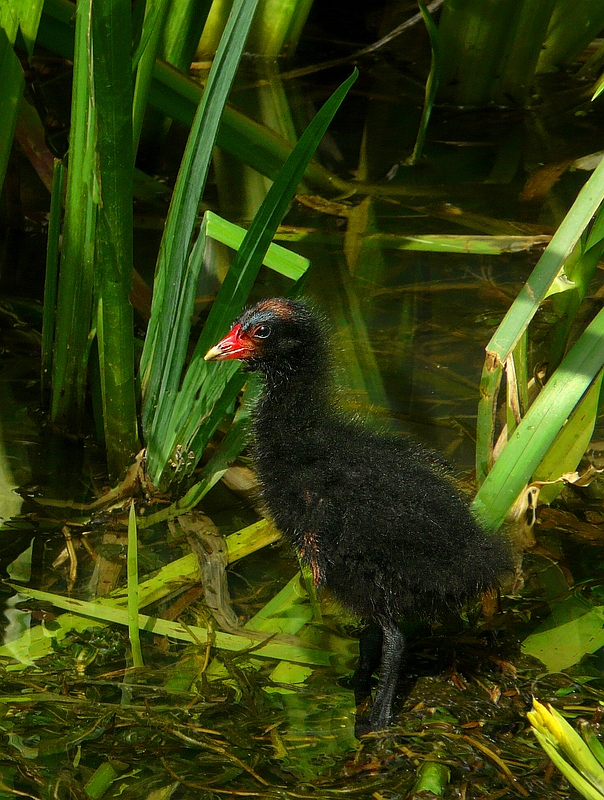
(409,330)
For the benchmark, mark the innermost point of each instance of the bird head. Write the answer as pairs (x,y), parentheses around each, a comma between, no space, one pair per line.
(275,334)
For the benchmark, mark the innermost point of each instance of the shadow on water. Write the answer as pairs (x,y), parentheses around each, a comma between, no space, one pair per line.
(203,721)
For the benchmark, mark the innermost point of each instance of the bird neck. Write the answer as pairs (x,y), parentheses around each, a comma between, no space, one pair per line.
(297,393)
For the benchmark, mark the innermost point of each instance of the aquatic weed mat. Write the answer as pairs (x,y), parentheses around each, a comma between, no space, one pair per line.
(76,726)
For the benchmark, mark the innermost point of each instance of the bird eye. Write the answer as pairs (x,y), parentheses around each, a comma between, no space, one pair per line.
(262,332)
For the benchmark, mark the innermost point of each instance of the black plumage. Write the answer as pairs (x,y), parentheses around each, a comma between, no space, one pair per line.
(377,519)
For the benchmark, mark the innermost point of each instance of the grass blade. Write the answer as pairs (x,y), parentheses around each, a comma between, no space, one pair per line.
(283,648)
(23,15)
(153,26)
(536,432)
(112,98)
(133,632)
(75,290)
(431,83)
(52,272)
(286,262)
(182,216)
(533,293)
(526,305)
(232,444)
(177,96)
(13,83)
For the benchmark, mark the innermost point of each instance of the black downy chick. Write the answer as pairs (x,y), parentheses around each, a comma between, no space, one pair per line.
(375,518)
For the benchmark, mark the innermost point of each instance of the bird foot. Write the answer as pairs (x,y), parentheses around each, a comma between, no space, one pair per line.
(380,721)
(363,726)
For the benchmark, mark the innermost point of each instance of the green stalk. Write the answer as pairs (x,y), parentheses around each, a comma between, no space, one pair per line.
(133,619)
(214,29)
(13,83)
(183,29)
(574,24)
(24,16)
(473,37)
(52,271)
(175,40)
(490,381)
(276,28)
(297,21)
(153,28)
(101,780)
(516,80)
(177,96)
(522,373)
(111,34)
(433,777)
(431,83)
(182,216)
(74,303)
(526,305)
(540,426)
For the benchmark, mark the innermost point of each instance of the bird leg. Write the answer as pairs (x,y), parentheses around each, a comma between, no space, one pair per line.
(370,656)
(392,653)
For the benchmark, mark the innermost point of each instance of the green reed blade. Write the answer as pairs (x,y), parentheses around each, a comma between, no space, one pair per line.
(286,648)
(169,362)
(549,265)
(536,432)
(182,31)
(132,562)
(431,83)
(473,38)
(23,15)
(52,271)
(182,216)
(572,27)
(112,87)
(516,79)
(13,83)
(75,290)
(526,305)
(230,447)
(144,61)
(286,262)
(177,96)
(100,781)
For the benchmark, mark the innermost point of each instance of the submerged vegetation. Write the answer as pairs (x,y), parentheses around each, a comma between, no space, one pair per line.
(470,128)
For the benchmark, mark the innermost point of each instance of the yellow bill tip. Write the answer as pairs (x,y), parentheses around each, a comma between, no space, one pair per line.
(213,354)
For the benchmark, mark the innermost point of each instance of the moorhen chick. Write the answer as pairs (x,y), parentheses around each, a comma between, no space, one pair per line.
(377,520)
